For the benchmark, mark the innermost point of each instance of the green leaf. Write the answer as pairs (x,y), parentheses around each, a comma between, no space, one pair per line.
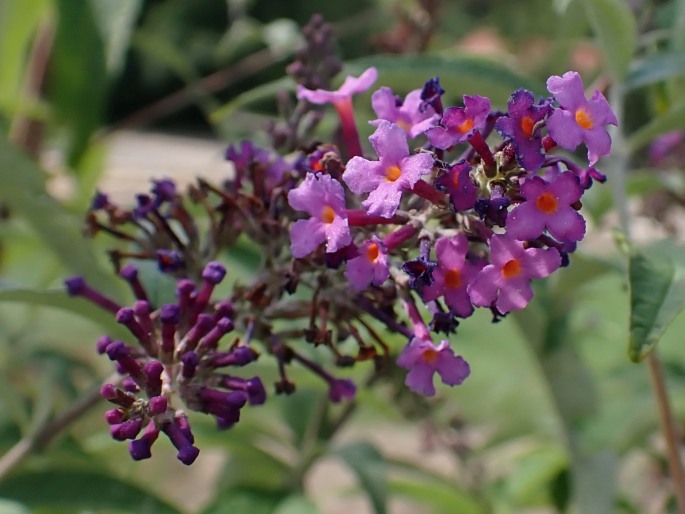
(615,27)
(368,464)
(245,500)
(61,300)
(74,490)
(253,95)
(78,80)
(10,507)
(442,499)
(657,295)
(535,472)
(116,21)
(655,68)
(23,191)
(296,504)
(459,74)
(674,119)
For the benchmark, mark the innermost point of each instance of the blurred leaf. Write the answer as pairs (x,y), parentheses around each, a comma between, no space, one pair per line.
(18,22)
(298,411)
(23,191)
(674,119)
(245,500)
(440,498)
(616,29)
(282,36)
(655,68)
(583,270)
(657,295)
(256,94)
(370,467)
(61,300)
(160,287)
(296,504)
(459,74)
(10,507)
(535,473)
(74,490)
(116,21)
(78,79)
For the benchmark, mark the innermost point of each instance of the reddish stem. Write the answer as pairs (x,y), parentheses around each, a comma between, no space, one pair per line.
(427,191)
(478,143)
(349,126)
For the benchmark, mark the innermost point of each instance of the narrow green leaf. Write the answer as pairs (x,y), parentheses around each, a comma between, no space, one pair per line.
(296,504)
(674,119)
(23,190)
(657,295)
(78,80)
(76,490)
(655,68)
(116,21)
(368,464)
(257,94)
(440,498)
(615,27)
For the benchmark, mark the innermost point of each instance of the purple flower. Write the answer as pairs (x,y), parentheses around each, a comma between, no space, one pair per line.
(519,127)
(341,388)
(579,120)
(370,266)
(506,282)
(395,171)
(431,95)
(323,198)
(407,114)
(351,86)
(458,124)
(459,185)
(422,358)
(453,275)
(548,206)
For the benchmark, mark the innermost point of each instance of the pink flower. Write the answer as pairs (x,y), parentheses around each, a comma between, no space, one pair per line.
(505,284)
(579,120)
(453,275)
(395,171)
(458,124)
(351,86)
(407,114)
(422,358)
(370,266)
(323,198)
(548,206)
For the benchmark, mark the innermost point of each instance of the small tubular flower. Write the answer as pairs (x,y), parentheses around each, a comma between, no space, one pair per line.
(548,206)
(505,284)
(579,120)
(458,124)
(386,178)
(351,86)
(370,266)
(323,198)
(423,359)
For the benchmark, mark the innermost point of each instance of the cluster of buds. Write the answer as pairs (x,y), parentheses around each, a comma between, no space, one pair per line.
(343,241)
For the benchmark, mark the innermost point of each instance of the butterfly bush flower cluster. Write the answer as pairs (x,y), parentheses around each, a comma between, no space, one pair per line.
(447,209)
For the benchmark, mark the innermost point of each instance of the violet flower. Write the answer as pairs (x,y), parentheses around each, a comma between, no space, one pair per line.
(323,198)
(423,359)
(519,126)
(579,120)
(453,275)
(407,114)
(457,182)
(458,124)
(395,171)
(548,206)
(370,266)
(505,284)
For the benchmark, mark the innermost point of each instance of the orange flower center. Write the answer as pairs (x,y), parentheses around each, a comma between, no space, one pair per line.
(404,125)
(527,125)
(547,203)
(327,214)
(393,173)
(372,252)
(430,356)
(511,269)
(465,125)
(453,278)
(583,119)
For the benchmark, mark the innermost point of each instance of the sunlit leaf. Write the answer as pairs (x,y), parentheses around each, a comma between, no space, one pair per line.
(615,27)
(438,497)
(657,295)
(74,490)
(116,21)
(296,504)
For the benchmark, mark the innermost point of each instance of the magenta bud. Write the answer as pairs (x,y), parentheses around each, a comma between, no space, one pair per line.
(102,344)
(214,272)
(114,416)
(109,391)
(158,405)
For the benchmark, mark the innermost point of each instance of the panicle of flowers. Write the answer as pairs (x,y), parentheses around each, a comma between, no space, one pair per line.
(436,217)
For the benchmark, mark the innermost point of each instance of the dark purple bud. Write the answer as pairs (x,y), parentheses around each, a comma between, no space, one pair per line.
(187,453)
(220,403)
(190,361)
(227,421)
(153,378)
(158,405)
(214,272)
(109,391)
(130,274)
(184,425)
(169,261)
(420,272)
(145,206)
(99,201)
(143,310)
(117,351)
(114,416)
(164,190)
(128,384)
(126,316)
(211,340)
(126,430)
(431,94)
(239,356)
(223,309)
(340,389)
(76,286)
(170,314)
(141,448)
(203,324)
(256,394)
(102,344)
